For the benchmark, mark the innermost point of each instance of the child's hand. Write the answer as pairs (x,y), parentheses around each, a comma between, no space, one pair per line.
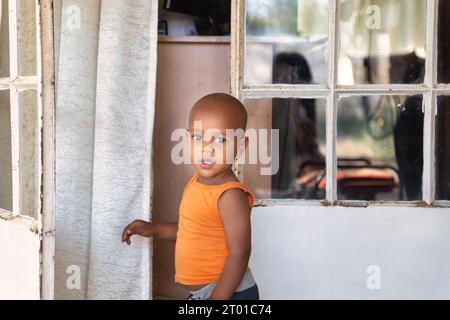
(139,227)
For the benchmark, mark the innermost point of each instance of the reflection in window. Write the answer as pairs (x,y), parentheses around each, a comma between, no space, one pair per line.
(443,149)
(5,152)
(380,148)
(382,41)
(286,35)
(26,32)
(444,42)
(28,153)
(4,39)
(301,125)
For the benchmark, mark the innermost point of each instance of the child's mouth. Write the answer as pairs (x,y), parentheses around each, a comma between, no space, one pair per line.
(206,164)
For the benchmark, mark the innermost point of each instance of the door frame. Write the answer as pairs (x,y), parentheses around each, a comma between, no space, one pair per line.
(48,195)
(38,230)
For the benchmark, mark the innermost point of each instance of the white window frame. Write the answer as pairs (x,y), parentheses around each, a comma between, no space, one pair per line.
(17,84)
(43,83)
(430,89)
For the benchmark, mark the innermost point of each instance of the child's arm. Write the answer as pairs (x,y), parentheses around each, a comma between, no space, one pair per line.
(235,214)
(166,231)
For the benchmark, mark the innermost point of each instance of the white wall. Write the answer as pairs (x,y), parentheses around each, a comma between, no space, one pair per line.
(19,260)
(324,252)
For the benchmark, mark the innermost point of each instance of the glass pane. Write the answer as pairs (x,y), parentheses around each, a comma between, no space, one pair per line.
(285,39)
(5,152)
(26,24)
(4,39)
(29,145)
(300,154)
(382,41)
(444,42)
(380,148)
(443,149)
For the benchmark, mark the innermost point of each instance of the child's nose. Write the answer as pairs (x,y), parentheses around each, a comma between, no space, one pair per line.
(207,147)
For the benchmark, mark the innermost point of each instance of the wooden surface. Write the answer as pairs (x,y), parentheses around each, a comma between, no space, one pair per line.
(186,72)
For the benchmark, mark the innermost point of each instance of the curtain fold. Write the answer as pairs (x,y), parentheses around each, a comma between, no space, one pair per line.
(105,106)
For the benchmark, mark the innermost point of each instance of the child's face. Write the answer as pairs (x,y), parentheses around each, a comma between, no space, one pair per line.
(211,152)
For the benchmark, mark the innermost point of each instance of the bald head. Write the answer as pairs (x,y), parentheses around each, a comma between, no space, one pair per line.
(223,106)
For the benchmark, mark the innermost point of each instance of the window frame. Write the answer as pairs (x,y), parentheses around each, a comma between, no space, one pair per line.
(331,91)
(17,84)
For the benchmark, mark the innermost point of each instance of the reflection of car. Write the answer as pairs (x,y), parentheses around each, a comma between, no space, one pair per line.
(357,179)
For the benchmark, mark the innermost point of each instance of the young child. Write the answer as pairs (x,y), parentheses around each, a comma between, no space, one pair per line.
(213,235)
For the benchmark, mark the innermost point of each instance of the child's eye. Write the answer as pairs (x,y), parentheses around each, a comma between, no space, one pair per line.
(197,137)
(220,140)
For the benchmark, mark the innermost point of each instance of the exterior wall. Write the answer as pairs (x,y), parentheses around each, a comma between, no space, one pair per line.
(19,260)
(324,252)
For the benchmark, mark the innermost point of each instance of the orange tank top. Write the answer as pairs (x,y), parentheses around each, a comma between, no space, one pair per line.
(201,247)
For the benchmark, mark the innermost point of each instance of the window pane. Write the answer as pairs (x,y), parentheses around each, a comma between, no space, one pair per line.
(443,149)
(444,42)
(5,152)
(382,41)
(301,148)
(29,145)
(380,148)
(26,24)
(4,39)
(285,39)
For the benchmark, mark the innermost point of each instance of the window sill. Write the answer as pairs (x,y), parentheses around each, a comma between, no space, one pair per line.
(193,39)
(349,203)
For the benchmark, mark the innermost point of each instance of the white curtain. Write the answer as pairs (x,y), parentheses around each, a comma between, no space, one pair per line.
(106,56)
